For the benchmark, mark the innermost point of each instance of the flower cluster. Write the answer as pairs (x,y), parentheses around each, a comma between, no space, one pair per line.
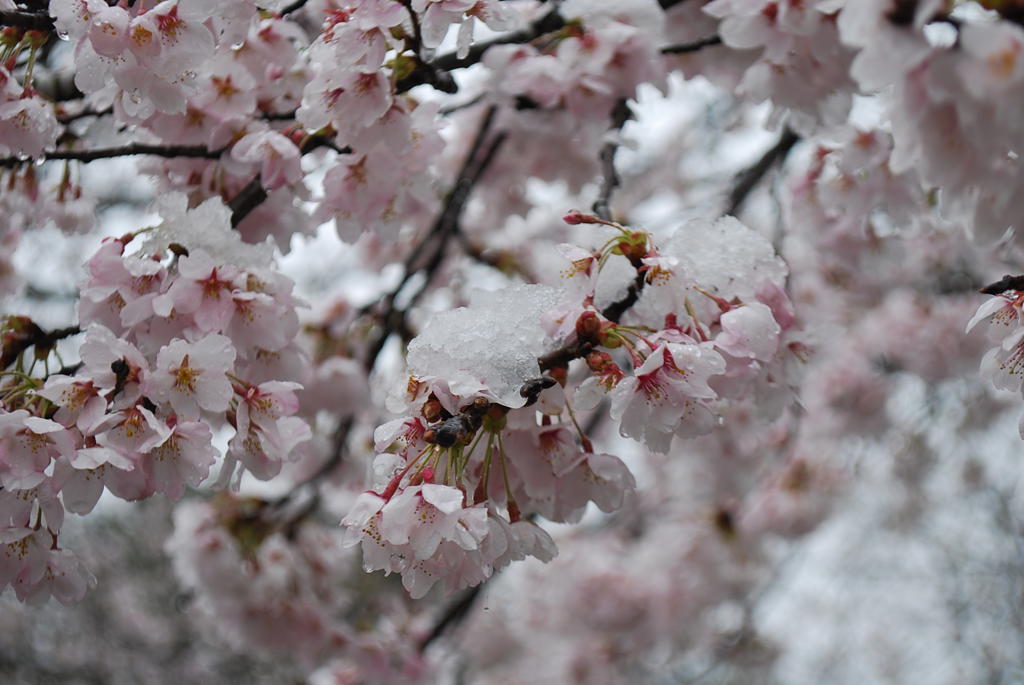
(264,588)
(28,124)
(140,61)
(803,68)
(495,436)
(186,334)
(1004,364)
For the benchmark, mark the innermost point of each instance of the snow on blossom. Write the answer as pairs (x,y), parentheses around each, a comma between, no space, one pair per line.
(207,228)
(489,348)
(749,331)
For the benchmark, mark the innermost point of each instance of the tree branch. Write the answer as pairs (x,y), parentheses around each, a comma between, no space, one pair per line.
(440,233)
(30,21)
(248,199)
(610,181)
(293,7)
(748,179)
(253,194)
(21,333)
(128,150)
(615,310)
(453,615)
(695,46)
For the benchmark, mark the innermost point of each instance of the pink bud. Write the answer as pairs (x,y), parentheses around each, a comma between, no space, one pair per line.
(575,217)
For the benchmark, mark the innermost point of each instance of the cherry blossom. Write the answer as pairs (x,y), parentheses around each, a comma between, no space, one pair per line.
(601,324)
(193,376)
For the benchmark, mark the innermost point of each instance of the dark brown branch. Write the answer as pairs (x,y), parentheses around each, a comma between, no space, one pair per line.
(428,255)
(748,179)
(610,178)
(695,46)
(445,111)
(248,199)
(453,615)
(34,292)
(293,7)
(551,21)
(451,226)
(615,310)
(87,112)
(417,31)
(1007,282)
(278,116)
(129,150)
(30,21)
(338,442)
(253,194)
(20,333)
(563,355)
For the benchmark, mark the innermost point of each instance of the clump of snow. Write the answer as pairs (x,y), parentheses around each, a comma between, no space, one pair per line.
(725,257)
(206,228)
(490,347)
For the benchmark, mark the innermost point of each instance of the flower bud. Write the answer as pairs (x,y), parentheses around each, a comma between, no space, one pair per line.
(598,360)
(588,326)
(431,410)
(576,217)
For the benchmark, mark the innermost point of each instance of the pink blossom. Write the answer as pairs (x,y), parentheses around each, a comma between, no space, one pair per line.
(183,456)
(193,376)
(27,446)
(278,156)
(667,394)
(266,431)
(28,126)
(203,289)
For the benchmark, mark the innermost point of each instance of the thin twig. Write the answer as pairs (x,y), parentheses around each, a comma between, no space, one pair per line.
(417,32)
(453,228)
(129,150)
(87,112)
(445,111)
(695,46)
(610,178)
(551,21)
